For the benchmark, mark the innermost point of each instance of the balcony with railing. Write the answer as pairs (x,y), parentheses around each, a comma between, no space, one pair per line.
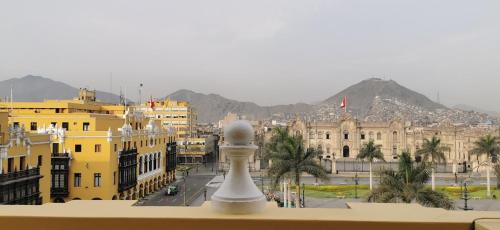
(13,177)
(21,187)
(127,169)
(60,163)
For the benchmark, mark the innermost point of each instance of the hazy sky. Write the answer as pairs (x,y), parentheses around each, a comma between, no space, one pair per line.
(269,52)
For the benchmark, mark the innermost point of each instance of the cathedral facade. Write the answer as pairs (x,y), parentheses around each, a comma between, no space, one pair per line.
(343,139)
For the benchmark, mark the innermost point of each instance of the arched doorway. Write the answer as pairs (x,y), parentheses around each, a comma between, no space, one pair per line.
(345,151)
(141,191)
(114,198)
(327,165)
(59,200)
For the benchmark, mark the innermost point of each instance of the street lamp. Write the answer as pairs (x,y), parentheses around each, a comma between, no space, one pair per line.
(466,198)
(303,195)
(262,182)
(356,183)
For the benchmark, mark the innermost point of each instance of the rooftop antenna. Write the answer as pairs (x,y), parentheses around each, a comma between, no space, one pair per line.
(111,82)
(11,97)
(140,93)
(122,102)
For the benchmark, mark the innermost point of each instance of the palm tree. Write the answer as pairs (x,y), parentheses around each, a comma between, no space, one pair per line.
(290,159)
(487,145)
(370,152)
(407,185)
(435,151)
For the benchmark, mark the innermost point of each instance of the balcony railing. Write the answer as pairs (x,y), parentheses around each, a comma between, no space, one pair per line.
(19,175)
(100,215)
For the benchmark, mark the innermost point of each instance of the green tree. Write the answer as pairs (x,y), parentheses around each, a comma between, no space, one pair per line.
(407,185)
(487,145)
(290,159)
(432,151)
(370,152)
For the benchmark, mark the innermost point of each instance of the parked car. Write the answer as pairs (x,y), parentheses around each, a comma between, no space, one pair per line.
(172,190)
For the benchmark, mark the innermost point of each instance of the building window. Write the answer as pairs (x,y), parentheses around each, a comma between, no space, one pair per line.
(53,124)
(97,148)
(22,163)
(65,125)
(114,178)
(40,157)
(328,136)
(116,147)
(33,126)
(362,135)
(379,136)
(10,165)
(78,180)
(97,180)
(394,136)
(141,169)
(346,135)
(345,152)
(78,148)
(86,126)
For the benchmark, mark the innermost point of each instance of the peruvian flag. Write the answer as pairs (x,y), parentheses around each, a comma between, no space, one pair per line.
(151,103)
(343,104)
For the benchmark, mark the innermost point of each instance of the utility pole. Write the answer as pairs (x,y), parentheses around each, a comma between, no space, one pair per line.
(184,189)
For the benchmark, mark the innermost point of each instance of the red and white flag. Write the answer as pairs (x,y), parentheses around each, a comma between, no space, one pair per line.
(343,104)
(151,103)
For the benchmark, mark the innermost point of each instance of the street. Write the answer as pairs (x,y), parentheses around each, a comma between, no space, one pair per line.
(195,188)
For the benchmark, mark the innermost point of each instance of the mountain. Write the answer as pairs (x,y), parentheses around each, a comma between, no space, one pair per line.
(213,107)
(361,96)
(36,88)
(374,98)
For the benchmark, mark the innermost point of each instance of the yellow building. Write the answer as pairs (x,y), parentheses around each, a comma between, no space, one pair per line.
(24,165)
(192,150)
(99,151)
(182,117)
(177,114)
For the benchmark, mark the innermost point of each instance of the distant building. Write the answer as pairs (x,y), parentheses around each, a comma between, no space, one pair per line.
(343,139)
(177,114)
(182,117)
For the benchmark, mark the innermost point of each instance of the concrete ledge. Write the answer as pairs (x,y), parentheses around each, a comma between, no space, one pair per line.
(106,215)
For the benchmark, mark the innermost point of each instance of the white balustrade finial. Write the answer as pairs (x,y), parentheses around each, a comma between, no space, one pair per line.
(238,194)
